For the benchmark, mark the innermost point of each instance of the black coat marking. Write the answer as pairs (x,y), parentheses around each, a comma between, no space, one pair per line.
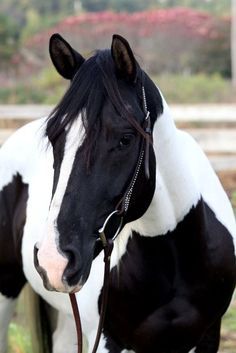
(169,290)
(13,199)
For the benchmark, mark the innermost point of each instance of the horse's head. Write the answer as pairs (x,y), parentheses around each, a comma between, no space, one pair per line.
(101,142)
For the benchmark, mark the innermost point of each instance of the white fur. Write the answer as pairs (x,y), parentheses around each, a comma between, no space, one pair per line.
(49,255)
(22,152)
(184,174)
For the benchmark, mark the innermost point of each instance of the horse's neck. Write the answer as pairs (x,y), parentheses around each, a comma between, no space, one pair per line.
(176,188)
(183,176)
(175,191)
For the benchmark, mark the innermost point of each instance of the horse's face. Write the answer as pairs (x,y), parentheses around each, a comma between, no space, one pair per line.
(94,164)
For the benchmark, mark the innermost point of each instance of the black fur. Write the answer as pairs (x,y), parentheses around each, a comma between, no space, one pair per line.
(170,291)
(110,108)
(93,83)
(13,198)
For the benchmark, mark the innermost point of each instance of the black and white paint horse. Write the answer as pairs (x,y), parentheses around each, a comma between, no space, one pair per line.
(173,264)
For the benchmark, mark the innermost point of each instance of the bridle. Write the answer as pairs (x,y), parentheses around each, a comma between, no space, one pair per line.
(108,242)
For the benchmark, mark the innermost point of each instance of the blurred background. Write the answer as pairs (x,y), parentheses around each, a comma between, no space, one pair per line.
(188,47)
(181,43)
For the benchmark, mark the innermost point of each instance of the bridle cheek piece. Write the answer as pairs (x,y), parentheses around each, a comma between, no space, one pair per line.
(108,242)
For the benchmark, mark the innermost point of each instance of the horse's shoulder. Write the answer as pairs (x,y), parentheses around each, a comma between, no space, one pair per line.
(22,151)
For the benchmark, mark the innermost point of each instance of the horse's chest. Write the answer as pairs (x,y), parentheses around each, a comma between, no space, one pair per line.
(142,283)
(186,263)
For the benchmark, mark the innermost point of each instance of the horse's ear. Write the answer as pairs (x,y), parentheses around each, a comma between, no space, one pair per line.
(66,60)
(124,58)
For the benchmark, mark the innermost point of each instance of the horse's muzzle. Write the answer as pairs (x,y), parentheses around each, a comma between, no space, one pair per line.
(54,278)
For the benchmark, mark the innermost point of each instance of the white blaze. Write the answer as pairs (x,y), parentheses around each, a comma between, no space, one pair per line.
(49,256)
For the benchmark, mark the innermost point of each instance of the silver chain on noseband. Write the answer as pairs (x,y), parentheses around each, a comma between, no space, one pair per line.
(130,191)
(139,164)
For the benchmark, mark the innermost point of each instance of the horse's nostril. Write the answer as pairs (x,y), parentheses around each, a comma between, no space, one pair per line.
(36,249)
(72,271)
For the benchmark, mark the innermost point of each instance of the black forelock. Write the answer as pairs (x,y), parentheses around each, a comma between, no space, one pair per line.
(85,93)
(95,80)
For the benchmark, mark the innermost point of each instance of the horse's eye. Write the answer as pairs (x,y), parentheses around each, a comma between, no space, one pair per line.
(126,140)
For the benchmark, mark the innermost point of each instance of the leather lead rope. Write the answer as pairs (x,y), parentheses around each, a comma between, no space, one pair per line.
(76,314)
(108,247)
(107,259)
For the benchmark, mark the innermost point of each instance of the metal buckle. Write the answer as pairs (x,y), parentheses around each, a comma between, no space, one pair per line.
(101,231)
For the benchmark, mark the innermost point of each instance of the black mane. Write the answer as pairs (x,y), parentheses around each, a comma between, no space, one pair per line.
(94,81)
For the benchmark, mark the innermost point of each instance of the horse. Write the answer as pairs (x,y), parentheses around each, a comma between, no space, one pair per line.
(110,153)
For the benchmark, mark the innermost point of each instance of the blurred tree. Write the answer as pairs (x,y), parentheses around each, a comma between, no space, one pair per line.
(15,11)
(95,5)
(218,7)
(8,38)
(131,5)
(53,7)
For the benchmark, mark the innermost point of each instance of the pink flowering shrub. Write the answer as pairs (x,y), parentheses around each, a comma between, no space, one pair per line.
(168,40)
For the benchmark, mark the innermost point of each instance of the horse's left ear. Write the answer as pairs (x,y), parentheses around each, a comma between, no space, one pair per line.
(124,58)
(66,60)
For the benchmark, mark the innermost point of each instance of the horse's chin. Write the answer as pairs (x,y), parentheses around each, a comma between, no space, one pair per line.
(63,288)
(75,289)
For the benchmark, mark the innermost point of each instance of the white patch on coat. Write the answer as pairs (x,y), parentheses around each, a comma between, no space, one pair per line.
(21,151)
(37,170)
(7,307)
(49,256)
(183,176)
(175,191)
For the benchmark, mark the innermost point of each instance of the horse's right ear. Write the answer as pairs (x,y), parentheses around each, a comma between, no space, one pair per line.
(123,58)
(66,60)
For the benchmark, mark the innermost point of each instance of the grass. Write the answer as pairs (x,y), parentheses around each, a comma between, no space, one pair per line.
(19,339)
(228,332)
(19,333)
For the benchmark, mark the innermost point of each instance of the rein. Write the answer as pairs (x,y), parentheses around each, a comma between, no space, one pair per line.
(108,243)
(108,247)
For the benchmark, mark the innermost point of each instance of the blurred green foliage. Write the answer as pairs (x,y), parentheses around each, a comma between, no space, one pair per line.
(217,7)
(8,38)
(19,339)
(21,19)
(195,88)
(48,88)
